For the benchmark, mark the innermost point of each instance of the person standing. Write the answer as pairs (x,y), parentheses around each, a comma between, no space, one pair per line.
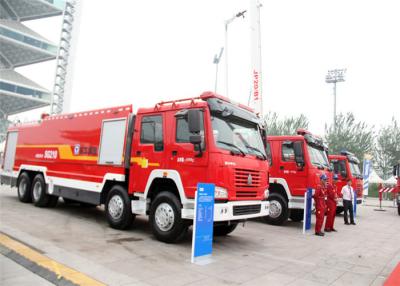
(320,206)
(331,202)
(348,195)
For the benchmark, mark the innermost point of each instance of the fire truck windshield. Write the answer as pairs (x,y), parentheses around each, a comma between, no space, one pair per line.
(355,170)
(318,156)
(238,136)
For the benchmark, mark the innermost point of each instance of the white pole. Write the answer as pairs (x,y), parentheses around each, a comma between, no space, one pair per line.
(256,75)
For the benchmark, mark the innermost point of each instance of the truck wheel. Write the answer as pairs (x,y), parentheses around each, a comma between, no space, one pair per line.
(296,215)
(24,188)
(339,210)
(223,230)
(398,210)
(118,208)
(39,196)
(166,219)
(278,210)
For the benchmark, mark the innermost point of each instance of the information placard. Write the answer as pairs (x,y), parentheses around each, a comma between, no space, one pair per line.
(203,224)
(307,210)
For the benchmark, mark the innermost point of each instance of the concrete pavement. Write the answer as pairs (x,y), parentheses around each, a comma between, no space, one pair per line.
(257,254)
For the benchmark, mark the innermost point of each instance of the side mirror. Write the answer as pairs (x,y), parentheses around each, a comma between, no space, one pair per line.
(298,154)
(194,120)
(195,139)
(394,171)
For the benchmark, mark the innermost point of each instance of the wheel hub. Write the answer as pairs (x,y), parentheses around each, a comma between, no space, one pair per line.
(116,207)
(37,191)
(275,209)
(164,217)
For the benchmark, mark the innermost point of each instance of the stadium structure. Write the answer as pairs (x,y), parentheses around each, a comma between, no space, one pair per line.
(20,46)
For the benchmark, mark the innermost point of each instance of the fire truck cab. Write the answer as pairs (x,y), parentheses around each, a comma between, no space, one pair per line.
(296,163)
(396,174)
(346,166)
(148,163)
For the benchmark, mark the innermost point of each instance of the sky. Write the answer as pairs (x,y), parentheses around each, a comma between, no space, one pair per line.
(142,52)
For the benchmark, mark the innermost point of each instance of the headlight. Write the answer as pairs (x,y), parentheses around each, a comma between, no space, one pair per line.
(220,193)
(266,194)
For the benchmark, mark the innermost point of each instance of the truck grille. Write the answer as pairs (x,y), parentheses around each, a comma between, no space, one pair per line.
(245,210)
(245,178)
(246,194)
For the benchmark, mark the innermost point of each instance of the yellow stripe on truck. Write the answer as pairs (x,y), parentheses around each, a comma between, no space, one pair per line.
(65,152)
(59,269)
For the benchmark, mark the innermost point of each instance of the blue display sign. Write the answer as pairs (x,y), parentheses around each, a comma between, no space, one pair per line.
(307,210)
(355,204)
(203,223)
(366,174)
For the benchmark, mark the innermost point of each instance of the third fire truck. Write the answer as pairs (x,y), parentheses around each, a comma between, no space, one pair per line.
(296,163)
(347,166)
(145,163)
(396,174)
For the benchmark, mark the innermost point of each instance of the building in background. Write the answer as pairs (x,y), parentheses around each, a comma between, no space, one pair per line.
(20,46)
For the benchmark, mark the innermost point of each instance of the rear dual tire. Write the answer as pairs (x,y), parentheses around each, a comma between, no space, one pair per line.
(40,198)
(24,188)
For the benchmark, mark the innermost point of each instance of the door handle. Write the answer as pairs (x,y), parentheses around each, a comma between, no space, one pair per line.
(281,167)
(138,153)
(174,153)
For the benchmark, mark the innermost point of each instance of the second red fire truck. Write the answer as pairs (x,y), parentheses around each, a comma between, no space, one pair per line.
(148,163)
(296,163)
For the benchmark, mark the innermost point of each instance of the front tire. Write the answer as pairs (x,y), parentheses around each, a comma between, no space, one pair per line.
(118,208)
(223,230)
(24,188)
(296,215)
(166,219)
(278,210)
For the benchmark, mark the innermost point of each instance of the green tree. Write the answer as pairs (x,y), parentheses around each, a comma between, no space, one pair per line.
(351,135)
(387,151)
(286,126)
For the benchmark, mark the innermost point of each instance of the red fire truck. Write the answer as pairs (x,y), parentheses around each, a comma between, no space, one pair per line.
(296,163)
(148,163)
(396,174)
(346,166)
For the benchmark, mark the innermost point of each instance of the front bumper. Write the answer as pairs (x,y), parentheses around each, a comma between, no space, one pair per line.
(234,210)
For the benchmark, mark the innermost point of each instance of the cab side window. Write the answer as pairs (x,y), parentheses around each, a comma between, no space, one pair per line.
(269,154)
(152,131)
(287,152)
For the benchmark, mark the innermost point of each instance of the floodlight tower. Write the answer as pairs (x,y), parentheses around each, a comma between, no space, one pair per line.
(217,59)
(227,22)
(335,76)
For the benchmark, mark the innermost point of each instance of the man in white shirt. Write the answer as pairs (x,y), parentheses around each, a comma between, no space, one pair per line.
(348,195)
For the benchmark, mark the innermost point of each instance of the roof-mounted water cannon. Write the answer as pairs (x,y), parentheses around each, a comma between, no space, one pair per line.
(302,132)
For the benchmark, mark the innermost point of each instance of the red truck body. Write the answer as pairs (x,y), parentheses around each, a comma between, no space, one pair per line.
(292,174)
(346,166)
(396,174)
(86,155)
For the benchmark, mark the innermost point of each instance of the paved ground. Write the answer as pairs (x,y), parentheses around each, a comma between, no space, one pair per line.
(257,254)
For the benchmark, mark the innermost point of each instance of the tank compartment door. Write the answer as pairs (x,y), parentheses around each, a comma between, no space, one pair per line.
(112,142)
(9,157)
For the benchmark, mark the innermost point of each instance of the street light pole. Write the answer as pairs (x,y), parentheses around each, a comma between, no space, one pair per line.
(216,61)
(335,76)
(227,22)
